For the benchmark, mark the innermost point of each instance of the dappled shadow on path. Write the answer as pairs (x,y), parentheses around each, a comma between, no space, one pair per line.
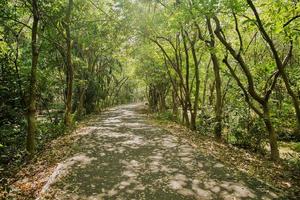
(120,156)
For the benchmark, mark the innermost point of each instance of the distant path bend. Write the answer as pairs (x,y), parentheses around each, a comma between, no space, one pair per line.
(122,156)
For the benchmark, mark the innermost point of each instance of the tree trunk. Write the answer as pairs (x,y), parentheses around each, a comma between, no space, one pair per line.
(31,118)
(69,88)
(211,93)
(281,64)
(81,100)
(153,98)
(294,100)
(272,134)
(175,103)
(162,101)
(185,116)
(193,121)
(184,105)
(197,85)
(188,103)
(218,105)
(22,100)
(251,90)
(216,68)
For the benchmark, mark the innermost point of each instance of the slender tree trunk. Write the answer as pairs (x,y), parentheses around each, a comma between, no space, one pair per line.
(188,104)
(251,91)
(185,116)
(162,101)
(295,101)
(211,92)
(271,132)
(193,120)
(203,110)
(153,98)
(81,100)
(22,100)
(216,69)
(175,103)
(197,90)
(68,116)
(218,105)
(281,64)
(31,118)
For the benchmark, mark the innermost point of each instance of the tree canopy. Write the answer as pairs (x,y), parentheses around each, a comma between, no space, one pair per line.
(227,69)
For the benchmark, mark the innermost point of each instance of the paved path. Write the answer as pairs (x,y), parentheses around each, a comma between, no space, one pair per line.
(121,156)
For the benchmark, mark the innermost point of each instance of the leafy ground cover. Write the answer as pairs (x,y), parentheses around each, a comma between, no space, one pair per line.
(26,180)
(284,175)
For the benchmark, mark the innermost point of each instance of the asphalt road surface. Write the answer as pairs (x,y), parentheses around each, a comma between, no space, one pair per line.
(121,155)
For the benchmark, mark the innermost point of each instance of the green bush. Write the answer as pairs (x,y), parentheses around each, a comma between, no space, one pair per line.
(167,115)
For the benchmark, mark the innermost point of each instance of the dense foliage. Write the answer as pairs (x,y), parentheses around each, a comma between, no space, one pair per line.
(229,68)
(79,45)
(225,67)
